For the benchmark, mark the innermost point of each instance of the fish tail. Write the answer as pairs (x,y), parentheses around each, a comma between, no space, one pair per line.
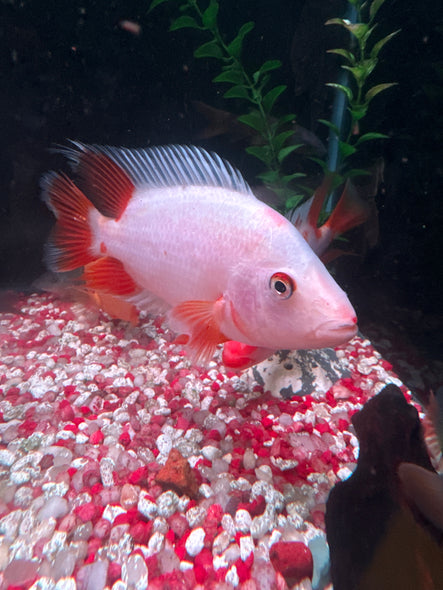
(69,246)
(350,211)
(74,242)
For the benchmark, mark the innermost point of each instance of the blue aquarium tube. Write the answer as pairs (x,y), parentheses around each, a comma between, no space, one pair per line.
(338,118)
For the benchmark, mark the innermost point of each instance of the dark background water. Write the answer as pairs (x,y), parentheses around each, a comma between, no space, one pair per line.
(69,70)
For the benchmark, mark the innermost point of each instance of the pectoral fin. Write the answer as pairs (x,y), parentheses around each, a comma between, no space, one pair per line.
(240,356)
(201,320)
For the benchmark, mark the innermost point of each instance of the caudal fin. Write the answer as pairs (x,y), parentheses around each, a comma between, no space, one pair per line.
(69,246)
(350,211)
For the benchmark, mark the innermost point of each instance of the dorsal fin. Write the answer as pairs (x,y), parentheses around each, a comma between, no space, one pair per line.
(166,166)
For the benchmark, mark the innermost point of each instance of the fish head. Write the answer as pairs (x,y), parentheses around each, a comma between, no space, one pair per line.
(291,303)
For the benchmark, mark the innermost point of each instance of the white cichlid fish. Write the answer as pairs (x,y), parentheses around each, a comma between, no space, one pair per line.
(178,229)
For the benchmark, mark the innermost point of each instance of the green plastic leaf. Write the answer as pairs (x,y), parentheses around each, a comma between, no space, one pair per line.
(370,136)
(359,30)
(285,119)
(184,22)
(284,152)
(378,46)
(209,16)
(280,139)
(358,111)
(210,49)
(344,53)
(331,126)
(270,98)
(270,177)
(230,75)
(346,149)
(357,172)
(254,120)
(261,152)
(362,70)
(268,66)
(337,21)
(323,165)
(235,46)
(377,89)
(155,3)
(375,7)
(288,177)
(239,91)
(344,89)
(293,201)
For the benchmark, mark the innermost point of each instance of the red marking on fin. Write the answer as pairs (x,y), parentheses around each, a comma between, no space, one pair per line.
(237,355)
(108,275)
(203,320)
(107,184)
(181,339)
(349,212)
(103,248)
(333,253)
(115,307)
(317,201)
(70,242)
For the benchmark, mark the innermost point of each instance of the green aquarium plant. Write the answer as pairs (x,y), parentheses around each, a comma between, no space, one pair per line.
(254,88)
(361,59)
(260,96)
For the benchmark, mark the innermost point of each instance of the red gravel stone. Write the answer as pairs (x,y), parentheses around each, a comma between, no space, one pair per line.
(139,476)
(96,437)
(124,439)
(203,569)
(141,531)
(88,511)
(114,573)
(293,560)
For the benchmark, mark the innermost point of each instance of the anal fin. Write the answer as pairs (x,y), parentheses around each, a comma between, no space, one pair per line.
(108,275)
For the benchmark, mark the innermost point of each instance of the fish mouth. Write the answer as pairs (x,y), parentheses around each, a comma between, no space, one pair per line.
(336,332)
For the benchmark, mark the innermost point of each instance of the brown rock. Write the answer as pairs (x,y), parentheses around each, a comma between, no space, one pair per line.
(177,475)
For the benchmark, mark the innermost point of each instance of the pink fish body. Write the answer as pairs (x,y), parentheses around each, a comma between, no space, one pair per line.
(178,229)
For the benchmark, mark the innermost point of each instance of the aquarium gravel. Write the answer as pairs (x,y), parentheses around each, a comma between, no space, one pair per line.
(124,466)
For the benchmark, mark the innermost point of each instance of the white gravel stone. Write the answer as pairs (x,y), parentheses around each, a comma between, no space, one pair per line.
(195,542)
(228,524)
(155,543)
(135,573)
(243,521)
(52,488)
(107,466)
(43,584)
(55,507)
(210,452)
(6,457)
(196,516)
(232,576)
(220,543)
(246,547)
(147,507)
(164,444)
(167,504)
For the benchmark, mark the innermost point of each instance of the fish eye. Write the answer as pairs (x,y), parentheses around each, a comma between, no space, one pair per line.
(282,285)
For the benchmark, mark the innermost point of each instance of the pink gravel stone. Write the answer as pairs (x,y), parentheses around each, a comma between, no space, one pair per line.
(20,572)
